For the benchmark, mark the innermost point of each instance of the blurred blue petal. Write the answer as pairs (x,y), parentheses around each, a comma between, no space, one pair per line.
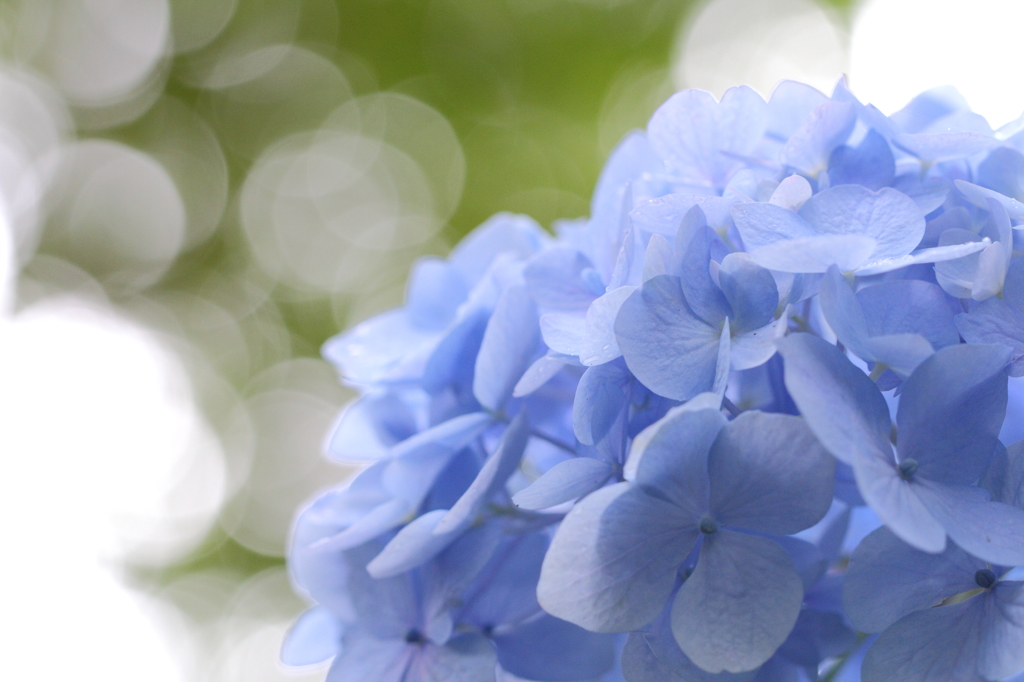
(313,638)
(870,163)
(508,349)
(825,128)
(551,650)
(563,482)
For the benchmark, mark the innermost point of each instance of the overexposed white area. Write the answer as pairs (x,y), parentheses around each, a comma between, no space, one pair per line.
(106,459)
(903,47)
(758,43)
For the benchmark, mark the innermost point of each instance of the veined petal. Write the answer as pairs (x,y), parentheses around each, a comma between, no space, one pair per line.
(992,531)
(739,605)
(612,563)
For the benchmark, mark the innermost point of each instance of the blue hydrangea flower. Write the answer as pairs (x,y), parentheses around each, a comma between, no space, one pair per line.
(619,429)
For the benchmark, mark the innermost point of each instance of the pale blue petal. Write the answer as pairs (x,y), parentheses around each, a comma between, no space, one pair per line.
(790,103)
(909,306)
(552,650)
(1000,321)
(844,409)
(564,332)
(356,436)
(540,373)
(762,224)
(503,233)
(415,544)
(670,457)
(434,293)
(663,215)
(612,564)
(979,196)
(372,524)
(670,350)
(653,655)
(770,474)
(367,352)
(791,193)
(825,128)
(691,130)
(465,658)
(508,348)
(870,163)
(941,641)
(554,279)
(721,381)
(844,314)
(935,254)
(750,291)
(1005,477)
(599,343)
(505,591)
(385,607)
(1002,171)
(492,477)
(936,147)
(703,296)
(563,482)
(417,461)
(899,504)
(900,352)
(739,605)
(365,657)
(313,638)
(928,107)
(888,579)
(1001,646)
(659,258)
(951,410)
(601,396)
(888,216)
(992,531)
(754,348)
(446,365)
(815,254)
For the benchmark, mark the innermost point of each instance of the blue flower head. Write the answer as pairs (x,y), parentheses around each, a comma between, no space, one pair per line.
(740,424)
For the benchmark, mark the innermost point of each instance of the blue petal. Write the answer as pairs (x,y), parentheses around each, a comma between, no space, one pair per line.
(447,364)
(465,658)
(612,563)
(370,350)
(365,657)
(691,131)
(979,196)
(789,105)
(942,639)
(599,343)
(762,224)
(909,306)
(503,233)
(739,605)
(1001,649)
(898,504)
(870,163)
(663,215)
(791,193)
(492,477)
(551,650)
(992,531)
(670,350)
(1000,321)
(313,638)
(824,129)
(704,298)
(1002,171)
(844,314)
(539,373)
(434,293)
(505,591)
(554,278)
(928,107)
(670,457)
(750,291)
(889,217)
(367,427)
(1005,477)
(564,333)
(815,254)
(888,579)
(951,410)
(415,544)
(565,481)
(508,348)
(601,396)
(769,473)
(844,409)
(937,147)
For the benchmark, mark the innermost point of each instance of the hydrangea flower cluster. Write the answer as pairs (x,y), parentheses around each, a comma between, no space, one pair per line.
(740,424)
